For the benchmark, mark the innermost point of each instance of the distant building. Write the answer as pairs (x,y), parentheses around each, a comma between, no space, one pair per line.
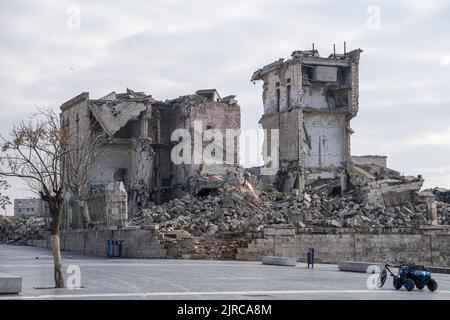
(29,207)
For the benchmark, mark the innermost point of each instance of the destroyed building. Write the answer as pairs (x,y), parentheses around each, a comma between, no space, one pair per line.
(136,141)
(320,194)
(311,101)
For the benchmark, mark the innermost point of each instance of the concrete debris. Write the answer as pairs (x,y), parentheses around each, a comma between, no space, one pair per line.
(232,203)
(221,213)
(21,229)
(441,194)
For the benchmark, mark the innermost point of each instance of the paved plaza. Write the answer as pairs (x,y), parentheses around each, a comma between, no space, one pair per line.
(103,278)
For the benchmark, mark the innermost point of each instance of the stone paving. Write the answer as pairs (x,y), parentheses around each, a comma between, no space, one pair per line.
(103,278)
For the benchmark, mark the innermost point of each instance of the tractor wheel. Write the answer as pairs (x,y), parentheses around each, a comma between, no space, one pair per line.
(408,284)
(432,285)
(420,285)
(397,283)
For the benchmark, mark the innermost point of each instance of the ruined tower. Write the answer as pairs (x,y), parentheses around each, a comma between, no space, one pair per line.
(311,100)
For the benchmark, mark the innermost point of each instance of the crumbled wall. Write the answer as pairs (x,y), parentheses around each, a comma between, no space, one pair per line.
(325,90)
(368,160)
(111,159)
(327,139)
(280,76)
(137,145)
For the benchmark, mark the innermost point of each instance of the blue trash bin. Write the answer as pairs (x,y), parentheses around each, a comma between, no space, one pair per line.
(120,245)
(110,248)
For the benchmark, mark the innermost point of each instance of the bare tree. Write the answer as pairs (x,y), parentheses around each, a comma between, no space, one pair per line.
(34,152)
(4,200)
(78,163)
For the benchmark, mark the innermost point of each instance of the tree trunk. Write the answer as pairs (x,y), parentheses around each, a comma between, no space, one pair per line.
(84,213)
(56,250)
(56,207)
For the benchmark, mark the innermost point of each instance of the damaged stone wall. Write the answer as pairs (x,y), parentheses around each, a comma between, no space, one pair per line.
(142,161)
(221,114)
(137,144)
(368,160)
(112,160)
(327,139)
(325,93)
(425,246)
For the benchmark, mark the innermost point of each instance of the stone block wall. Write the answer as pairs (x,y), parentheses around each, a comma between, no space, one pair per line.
(429,247)
(139,243)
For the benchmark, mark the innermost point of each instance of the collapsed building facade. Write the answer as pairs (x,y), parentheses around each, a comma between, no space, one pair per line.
(136,143)
(311,101)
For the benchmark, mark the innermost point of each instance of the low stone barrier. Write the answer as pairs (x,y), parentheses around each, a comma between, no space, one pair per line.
(10,284)
(279,261)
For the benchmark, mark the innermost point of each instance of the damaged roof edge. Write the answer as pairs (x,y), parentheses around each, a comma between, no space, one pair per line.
(82,96)
(317,60)
(257,75)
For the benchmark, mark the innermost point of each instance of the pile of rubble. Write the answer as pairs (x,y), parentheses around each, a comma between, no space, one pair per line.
(442,197)
(441,194)
(21,229)
(235,203)
(222,203)
(443,210)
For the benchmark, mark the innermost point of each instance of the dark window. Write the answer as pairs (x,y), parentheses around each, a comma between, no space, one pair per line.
(288,96)
(278,99)
(77,119)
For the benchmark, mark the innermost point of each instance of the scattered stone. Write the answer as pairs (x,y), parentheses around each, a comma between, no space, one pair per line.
(235,204)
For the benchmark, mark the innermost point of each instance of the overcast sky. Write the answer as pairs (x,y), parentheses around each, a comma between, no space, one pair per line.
(172,48)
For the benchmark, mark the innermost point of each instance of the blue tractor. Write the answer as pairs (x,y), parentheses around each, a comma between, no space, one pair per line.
(409,276)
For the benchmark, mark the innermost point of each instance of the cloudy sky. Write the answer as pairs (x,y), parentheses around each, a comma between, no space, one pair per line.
(51,51)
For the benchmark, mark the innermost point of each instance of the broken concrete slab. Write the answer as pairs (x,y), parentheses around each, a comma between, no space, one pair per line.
(113,115)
